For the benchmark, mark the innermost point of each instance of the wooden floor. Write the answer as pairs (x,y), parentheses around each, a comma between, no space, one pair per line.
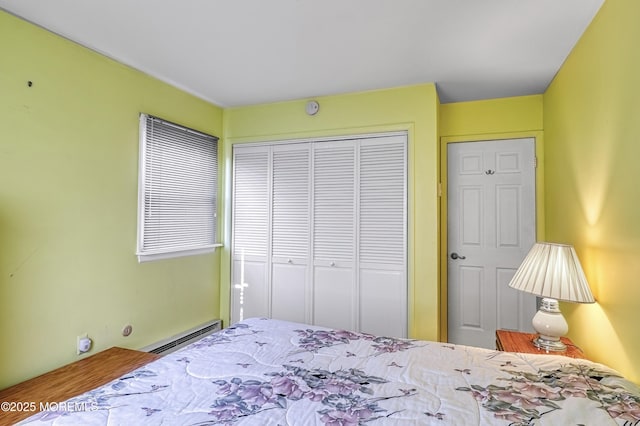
(25,399)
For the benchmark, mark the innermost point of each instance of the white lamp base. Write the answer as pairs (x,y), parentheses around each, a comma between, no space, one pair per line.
(550,325)
(549,345)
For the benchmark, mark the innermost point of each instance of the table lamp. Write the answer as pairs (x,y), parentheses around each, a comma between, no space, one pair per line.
(553,272)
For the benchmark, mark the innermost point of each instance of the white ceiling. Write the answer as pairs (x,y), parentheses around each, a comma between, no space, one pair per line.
(243,52)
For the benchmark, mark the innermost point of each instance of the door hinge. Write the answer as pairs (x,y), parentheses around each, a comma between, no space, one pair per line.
(535,162)
(439,189)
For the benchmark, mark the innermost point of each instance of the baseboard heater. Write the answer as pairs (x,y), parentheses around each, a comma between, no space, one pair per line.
(176,342)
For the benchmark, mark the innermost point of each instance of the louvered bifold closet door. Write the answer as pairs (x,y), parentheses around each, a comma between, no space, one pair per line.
(290,231)
(334,234)
(382,236)
(250,232)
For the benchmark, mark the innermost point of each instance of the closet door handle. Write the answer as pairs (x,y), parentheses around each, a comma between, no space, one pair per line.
(289,261)
(332,264)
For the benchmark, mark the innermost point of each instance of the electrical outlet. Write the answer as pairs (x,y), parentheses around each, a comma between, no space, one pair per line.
(83,344)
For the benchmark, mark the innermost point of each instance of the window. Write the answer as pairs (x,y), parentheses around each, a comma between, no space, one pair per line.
(177,190)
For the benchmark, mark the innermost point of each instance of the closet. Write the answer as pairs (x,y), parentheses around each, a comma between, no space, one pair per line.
(319,232)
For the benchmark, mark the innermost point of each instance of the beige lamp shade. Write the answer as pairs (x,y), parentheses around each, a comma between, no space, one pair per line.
(553,270)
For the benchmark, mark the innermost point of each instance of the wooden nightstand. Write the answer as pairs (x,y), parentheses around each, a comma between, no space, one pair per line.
(516,341)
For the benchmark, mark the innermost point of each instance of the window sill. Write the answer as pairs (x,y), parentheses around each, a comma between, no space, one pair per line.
(152,256)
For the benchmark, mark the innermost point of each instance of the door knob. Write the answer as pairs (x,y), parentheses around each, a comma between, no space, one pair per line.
(455,256)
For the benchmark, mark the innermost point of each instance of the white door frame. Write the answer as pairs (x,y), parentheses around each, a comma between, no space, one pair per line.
(443,253)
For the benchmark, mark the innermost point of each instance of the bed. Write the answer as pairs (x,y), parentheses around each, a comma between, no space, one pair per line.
(270,372)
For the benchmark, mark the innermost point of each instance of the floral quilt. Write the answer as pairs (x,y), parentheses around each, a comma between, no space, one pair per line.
(270,372)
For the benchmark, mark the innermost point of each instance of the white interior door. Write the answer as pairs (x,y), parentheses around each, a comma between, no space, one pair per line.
(491,227)
(320,233)
(290,232)
(250,245)
(334,226)
(382,236)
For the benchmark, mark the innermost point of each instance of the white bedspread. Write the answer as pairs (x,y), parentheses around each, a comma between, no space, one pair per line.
(269,372)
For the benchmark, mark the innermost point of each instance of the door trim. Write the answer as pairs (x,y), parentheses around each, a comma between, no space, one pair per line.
(538,137)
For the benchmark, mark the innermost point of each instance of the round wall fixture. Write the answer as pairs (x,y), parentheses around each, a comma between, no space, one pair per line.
(312,107)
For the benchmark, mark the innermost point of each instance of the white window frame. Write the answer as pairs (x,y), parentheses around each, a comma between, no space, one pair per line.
(165,239)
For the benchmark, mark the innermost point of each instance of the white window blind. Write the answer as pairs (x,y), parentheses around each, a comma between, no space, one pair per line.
(178,188)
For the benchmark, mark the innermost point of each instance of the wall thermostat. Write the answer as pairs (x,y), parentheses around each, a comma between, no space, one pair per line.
(312,107)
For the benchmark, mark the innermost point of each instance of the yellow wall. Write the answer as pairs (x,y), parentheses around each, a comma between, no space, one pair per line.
(504,118)
(68,206)
(413,108)
(592,132)
(476,119)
